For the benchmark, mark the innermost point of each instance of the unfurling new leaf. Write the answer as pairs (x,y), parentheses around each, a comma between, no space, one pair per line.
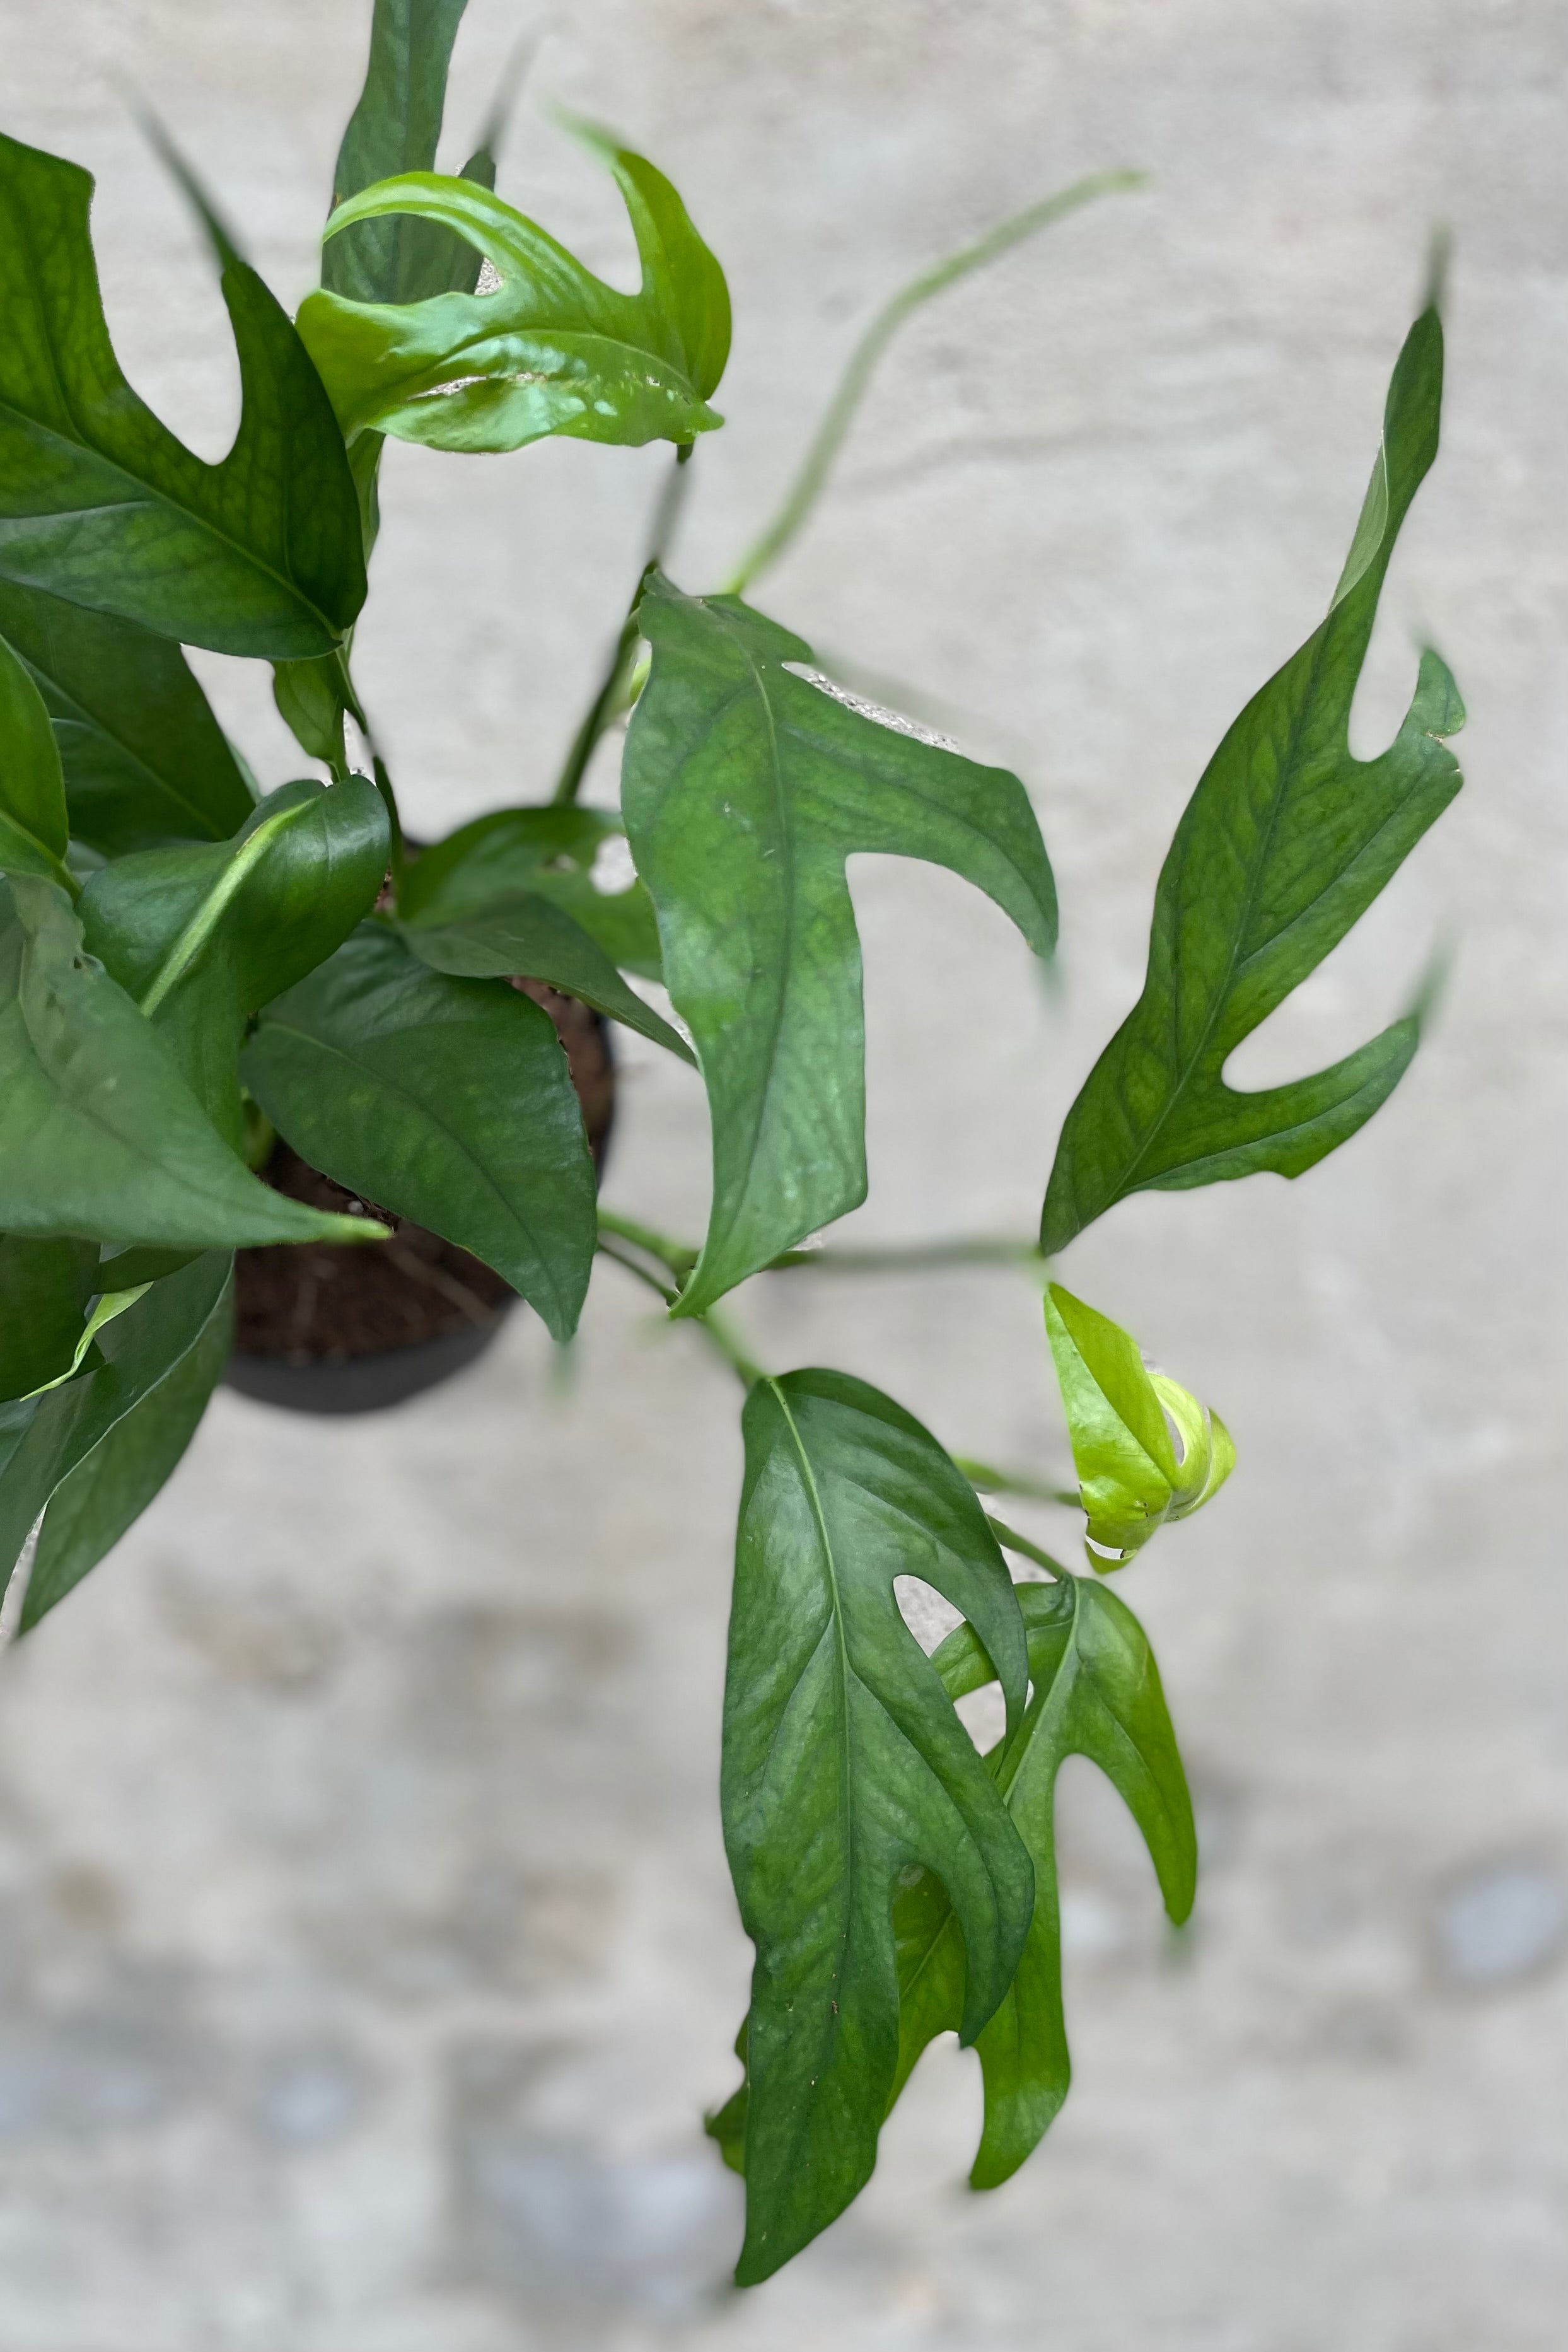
(1285,843)
(551,348)
(844,1765)
(1131,1478)
(745,789)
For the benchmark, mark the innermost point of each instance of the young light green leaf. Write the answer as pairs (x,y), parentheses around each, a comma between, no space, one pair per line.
(448,1101)
(44,1439)
(550,349)
(745,789)
(203,937)
(99,1133)
(1284,845)
(1095,1691)
(45,1286)
(1130,1479)
(111,1485)
(555,853)
(145,761)
(101,505)
(528,936)
(843,1766)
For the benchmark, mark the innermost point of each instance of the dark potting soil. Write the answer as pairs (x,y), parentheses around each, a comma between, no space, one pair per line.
(322,1302)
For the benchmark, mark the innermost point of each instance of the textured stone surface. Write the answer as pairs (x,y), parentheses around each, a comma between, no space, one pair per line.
(366,1945)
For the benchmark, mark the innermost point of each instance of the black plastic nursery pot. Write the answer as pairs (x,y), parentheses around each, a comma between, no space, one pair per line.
(355,1327)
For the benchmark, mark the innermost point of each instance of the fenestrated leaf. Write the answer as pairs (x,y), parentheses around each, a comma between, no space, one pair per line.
(204,935)
(1130,1479)
(110,1487)
(45,1286)
(43,1440)
(1284,845)
(99,1133)
(843,1765)
(101,505)
(448,1101)
(527,936)
(554,852)
(33,832)
(745,789)
(1095,1691)
(145,761)
(550,349)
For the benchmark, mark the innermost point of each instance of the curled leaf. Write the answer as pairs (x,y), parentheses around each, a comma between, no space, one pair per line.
(549,347)
(1120,1418)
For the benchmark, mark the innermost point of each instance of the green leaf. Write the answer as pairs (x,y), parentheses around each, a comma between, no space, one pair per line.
(553,853)
(33,832)
(204,935)
(1284,845)
(1095,1691)
(394,128)
(101,505)
(843,1765)
(44,1439)
(526,935)
(99,1133)
(745,789)
(45,1286)
(1130,1480)
(110,1487)
(550,349)
(145,761)
(449,1101)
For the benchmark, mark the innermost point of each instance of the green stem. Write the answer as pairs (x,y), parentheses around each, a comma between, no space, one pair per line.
(712,1326)
(807,487)
(1011,1540)
(1011,1482)
(205,920)
(674,1255)
(905,1257)
(613,696)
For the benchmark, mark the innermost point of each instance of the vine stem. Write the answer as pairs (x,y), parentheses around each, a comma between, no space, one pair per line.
(679,1257)
(853,384)
(1011,1540)
(713,1328)
(613,695)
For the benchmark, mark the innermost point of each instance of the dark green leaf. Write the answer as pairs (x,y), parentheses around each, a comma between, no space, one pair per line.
(43,1441)
(843,1765)
(202,936)
(111,1486)
(552,852)
(33,832)
(99,503)
(99,1133)
(312,699)
(744,790)
(526,935)
(145,761)
(1095,1691)
(1284,845)
(550,349)
(448,1101)
(45,1286)
(127,1269)
(394,128)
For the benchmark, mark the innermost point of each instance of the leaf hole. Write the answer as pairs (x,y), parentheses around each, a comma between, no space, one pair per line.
(928,1617)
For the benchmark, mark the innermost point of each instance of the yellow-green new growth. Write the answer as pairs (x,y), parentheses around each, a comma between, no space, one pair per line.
(1125,1423)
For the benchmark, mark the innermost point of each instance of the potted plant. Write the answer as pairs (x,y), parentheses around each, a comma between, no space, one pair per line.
(270,1027)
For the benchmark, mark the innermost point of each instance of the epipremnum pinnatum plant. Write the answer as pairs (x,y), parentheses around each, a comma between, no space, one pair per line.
(186,964)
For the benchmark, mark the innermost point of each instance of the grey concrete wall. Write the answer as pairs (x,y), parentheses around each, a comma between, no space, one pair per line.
(367,1948)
